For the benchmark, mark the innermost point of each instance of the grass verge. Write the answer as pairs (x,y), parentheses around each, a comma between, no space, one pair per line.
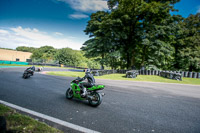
(149,78)
(21,123)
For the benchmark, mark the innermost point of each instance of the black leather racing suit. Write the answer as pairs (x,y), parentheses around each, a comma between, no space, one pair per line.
(31,70)
(90,79)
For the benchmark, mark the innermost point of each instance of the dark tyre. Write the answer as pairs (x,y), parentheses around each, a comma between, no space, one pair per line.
(25,76)
(69,93)
(95,100)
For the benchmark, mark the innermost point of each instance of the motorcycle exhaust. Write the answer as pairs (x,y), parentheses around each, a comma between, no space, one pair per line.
(103,94)
(89,97)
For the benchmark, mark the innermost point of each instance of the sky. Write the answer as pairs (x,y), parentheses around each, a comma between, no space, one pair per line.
(57,23)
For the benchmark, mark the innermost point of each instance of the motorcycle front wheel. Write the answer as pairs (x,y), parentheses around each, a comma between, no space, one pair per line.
(24,76)
(69,93)
(96,99)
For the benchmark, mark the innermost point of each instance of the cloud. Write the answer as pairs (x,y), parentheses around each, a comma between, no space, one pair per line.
(87,5)
(4,32)
(78,16)
(58,33)
(18,36)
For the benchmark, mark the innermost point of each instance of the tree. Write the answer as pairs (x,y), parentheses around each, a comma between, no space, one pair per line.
(98,44)
(26,49)
(70,57)
(44,54)
(137,29)
(188,57)
(140,30)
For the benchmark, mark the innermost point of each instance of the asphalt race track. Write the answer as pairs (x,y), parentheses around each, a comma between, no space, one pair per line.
(127,106)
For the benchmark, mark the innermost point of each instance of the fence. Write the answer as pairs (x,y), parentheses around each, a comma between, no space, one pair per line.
(151,72)
(102,72)
(43,64)
(13,62)
(158,73)
(182,73)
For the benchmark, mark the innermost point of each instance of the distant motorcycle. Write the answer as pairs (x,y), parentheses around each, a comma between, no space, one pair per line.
(39,69)
(93,96)
(28,72)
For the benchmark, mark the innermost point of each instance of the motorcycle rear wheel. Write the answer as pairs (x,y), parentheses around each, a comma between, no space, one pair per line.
(69,93)
(96,99)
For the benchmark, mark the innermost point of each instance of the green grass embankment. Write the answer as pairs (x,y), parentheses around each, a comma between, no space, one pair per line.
(23,124)
(148,78)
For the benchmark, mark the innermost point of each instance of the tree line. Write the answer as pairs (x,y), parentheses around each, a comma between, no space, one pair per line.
(143,34)
(65,56)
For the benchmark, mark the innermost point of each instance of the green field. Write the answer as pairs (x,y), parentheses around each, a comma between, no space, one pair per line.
(149,78)
(18,123)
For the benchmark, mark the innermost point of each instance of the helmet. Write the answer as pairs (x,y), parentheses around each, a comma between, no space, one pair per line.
(87,70)
(33,67)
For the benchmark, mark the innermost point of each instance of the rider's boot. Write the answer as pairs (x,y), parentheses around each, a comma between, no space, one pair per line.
(84,92)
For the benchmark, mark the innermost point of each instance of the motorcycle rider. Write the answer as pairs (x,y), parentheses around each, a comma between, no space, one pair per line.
(90,83)
(31,69)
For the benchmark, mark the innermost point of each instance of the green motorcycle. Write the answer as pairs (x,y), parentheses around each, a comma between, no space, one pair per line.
(92,95)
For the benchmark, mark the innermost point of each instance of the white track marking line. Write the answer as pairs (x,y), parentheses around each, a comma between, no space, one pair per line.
(49,118)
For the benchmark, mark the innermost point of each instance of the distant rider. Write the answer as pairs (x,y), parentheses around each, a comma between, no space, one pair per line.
(31,69)
(90,83)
